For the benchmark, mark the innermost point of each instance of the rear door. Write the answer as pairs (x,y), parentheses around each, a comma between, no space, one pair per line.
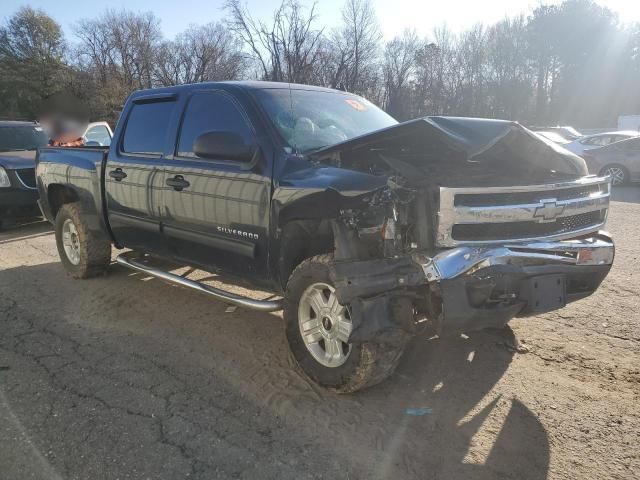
(134,175)
(218,214)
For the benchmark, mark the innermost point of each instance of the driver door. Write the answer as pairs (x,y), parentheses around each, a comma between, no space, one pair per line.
(216,212)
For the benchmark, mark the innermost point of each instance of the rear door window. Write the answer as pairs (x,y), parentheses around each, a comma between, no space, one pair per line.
(146,129)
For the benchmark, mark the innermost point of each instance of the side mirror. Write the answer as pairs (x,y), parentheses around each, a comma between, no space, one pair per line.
(223,146)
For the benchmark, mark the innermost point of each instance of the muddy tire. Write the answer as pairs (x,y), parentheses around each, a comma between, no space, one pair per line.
(83,253)
(321,352)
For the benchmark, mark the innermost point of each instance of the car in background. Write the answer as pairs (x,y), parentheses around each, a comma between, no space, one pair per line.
(97,134)
(71,133)
(554,137)
(619,160)
(19,142)
(589,142)
(569,133)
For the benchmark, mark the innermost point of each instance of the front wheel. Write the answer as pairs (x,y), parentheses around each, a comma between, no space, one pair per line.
(618,174)
(318,330)
(83,253)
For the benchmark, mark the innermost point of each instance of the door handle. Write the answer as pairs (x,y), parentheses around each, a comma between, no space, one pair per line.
(178,183)
(118,174)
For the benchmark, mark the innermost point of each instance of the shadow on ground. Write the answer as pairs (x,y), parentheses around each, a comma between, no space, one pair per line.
(128,376)
(16,232)
(628,194)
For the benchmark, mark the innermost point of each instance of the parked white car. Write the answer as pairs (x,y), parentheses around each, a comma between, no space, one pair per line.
(98,134)
(597,140)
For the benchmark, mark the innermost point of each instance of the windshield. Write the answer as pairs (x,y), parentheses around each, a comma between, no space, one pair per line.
(23,137)
(571,133)
(312,119)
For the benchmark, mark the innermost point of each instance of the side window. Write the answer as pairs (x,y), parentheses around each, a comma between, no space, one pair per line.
(146,129)
(598,141)
(99,134)
(210,112)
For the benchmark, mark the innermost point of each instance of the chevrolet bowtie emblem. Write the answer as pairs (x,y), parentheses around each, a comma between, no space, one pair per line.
(550,210)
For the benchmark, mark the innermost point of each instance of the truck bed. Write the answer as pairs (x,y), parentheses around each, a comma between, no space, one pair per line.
(78,168)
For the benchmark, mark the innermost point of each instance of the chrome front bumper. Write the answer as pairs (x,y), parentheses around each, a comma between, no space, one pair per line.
(596,250)
(482,287)
(471,288)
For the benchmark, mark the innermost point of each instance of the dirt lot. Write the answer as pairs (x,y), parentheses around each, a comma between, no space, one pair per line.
(127,377)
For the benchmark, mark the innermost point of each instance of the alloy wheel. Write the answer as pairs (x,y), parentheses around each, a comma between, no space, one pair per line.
(617,174)
(325,325)
(71,242)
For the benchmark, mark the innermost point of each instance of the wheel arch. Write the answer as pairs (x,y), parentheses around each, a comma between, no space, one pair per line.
(58,195)
(302,239)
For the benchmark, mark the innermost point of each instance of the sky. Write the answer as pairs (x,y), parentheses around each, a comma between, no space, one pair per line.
(393,15)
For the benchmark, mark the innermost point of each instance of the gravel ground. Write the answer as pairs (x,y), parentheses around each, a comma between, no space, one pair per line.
(126,377)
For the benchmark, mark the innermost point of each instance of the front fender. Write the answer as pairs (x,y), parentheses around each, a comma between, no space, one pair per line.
(319,192)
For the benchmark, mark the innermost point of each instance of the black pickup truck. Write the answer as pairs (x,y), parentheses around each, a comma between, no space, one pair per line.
(371,231)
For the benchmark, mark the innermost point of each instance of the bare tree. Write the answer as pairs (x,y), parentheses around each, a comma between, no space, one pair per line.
(357,44)
(567,62)
(509,76)
(207,53)
(121,44)
(472,65)
(287,49)
(399,62)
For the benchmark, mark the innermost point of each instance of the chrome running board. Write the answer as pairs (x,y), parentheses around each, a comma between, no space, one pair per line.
(260,305)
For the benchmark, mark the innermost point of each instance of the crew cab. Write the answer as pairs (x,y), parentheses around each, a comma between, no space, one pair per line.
(368,231)
(18,193)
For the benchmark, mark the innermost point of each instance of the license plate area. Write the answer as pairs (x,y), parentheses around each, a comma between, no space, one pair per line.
(544,293)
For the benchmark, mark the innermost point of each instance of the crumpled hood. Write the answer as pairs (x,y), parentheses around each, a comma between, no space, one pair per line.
(455,151)
(19,159)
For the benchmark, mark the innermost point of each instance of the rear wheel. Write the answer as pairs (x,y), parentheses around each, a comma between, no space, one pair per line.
(83,253)
(619,175)
(318,330)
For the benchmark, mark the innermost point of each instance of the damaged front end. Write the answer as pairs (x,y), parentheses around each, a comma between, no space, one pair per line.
(470,288)
(478,222)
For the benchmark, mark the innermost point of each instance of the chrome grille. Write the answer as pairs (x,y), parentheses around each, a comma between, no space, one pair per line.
(514,214)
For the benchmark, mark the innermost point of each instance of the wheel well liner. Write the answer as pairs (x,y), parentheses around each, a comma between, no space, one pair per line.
(302,239)
(58,195)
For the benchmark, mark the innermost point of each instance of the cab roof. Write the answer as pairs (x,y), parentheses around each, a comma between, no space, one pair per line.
(241,84)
